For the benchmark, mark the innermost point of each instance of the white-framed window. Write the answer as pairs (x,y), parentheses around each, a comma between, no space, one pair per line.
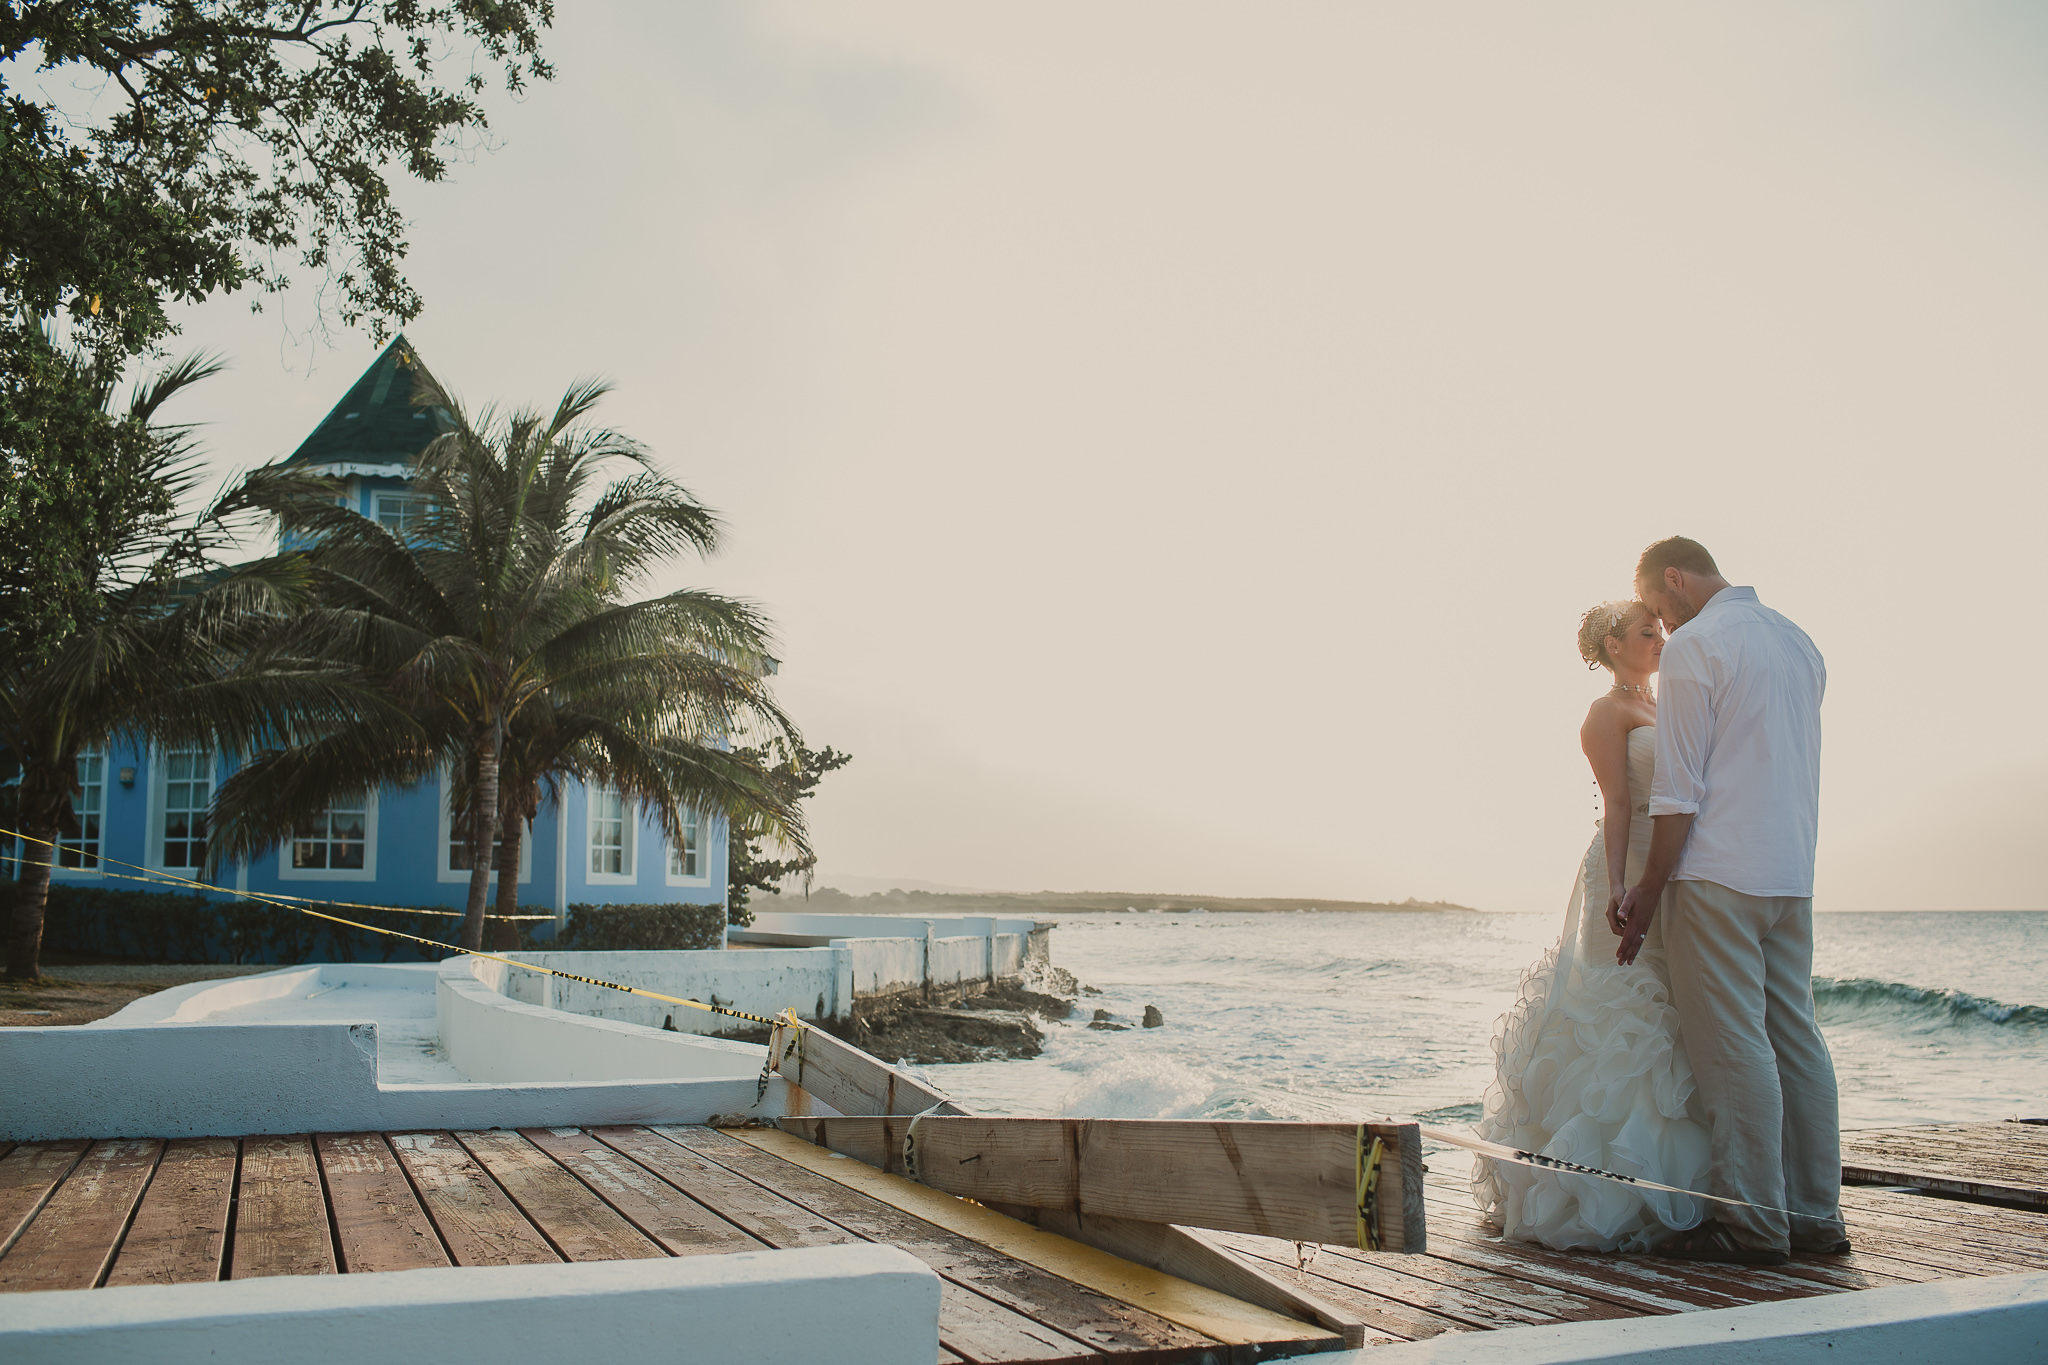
(337,845)
(80,853)
(181,797)
(686,856)
(611,837)
(454,864)
(402,514)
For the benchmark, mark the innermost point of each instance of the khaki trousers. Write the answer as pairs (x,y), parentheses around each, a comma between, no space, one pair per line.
(1742,983)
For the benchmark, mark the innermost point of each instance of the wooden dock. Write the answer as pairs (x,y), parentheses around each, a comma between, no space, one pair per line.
(1997,1162)
(80,1214)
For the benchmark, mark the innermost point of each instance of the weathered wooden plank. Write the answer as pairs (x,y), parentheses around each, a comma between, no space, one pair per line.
(853,1082)
(1418,1291)
(677,1222)
(1502,1284)
(1189,1254)
(27,1175)
(1697,1283)
(2004,1161)
(982,1330)
(477,1223)
(969,1323)
(1291,1180)
(1389,1318)
(2023,1229)
(777,1221)
(181,1229)
(72,1241)
(1106,1324)
(280,1212)
(1928,1178)
(378,1220)
(2030,1252)
(1203,1310)
(579,1224)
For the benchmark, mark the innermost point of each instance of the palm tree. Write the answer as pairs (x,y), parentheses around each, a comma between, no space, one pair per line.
(166,649)
(499,622)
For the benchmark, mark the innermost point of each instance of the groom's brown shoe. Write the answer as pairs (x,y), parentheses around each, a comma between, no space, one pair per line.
(1712,1241)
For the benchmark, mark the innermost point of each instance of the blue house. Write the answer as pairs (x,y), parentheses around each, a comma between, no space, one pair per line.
(139,805)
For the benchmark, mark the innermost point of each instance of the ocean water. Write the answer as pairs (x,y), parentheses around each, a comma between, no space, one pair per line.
(1931,1017)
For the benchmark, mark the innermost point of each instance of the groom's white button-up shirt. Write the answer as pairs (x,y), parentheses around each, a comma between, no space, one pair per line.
(1738,746)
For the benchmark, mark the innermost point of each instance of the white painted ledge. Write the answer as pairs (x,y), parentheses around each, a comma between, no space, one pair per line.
(1984,1319)
(196,1080)
(851,1305)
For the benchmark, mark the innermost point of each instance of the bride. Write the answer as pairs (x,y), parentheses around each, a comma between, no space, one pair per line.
(1588,1063)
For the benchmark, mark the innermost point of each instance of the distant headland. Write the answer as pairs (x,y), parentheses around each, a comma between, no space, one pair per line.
(831,900)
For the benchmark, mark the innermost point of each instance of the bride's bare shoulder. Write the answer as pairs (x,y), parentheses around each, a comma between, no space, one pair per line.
(1606,715)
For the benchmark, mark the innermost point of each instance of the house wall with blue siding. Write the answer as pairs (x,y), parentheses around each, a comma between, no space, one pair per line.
(405,852)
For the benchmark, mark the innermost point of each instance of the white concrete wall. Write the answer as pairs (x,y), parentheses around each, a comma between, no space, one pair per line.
(884,966)
(194,1080)
(807,980)
(493,1037)
(196,1000)
(850,1305)
(1990,1318)
(887,926)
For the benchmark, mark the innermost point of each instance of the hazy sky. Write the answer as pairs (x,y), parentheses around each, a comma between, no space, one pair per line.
(1177,440)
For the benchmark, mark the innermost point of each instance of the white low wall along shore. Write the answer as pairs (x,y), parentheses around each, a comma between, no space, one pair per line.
(851,1305)
(474,1043)
(2002,1318)
(817,965)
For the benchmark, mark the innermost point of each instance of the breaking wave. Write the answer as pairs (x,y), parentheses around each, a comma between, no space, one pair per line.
(1860,999)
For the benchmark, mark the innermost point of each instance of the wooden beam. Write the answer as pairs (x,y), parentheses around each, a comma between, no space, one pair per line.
(1291,1180)
(852,1082)
(1188,1254)
(1193,1306)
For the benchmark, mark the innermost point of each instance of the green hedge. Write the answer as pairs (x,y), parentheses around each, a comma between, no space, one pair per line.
(610,928)
(152,926)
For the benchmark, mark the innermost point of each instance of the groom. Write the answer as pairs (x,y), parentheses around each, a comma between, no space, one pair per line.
(1735,808)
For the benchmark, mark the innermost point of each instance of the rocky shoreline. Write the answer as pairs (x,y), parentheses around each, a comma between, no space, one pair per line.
(1000,1024)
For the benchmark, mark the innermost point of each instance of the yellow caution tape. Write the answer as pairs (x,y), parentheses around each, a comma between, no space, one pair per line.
(172,879)
(1369,1191)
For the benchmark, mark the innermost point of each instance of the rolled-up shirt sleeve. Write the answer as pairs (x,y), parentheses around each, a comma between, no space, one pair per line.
(1685,719)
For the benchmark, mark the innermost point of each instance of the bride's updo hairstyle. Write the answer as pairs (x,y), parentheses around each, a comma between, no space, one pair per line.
(1601,624)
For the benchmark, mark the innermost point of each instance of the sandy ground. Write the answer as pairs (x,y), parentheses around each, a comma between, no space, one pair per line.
(78,993)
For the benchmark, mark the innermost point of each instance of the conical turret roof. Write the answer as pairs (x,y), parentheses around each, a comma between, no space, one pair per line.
(375,428)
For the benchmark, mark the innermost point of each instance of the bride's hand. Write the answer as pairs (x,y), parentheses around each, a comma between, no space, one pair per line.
(1614,912)
(1635,911)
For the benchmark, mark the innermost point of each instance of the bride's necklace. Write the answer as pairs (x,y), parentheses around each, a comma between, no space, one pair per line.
(1642,688)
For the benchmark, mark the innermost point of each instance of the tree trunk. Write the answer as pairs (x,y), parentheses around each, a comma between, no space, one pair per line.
(504,933)
(40,819)
(483,832)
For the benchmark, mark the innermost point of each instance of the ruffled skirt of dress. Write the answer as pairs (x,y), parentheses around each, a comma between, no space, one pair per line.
(1596,1075)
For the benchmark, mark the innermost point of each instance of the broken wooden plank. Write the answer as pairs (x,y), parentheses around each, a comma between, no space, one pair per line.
(579,1224)
(72,1241)
(681,1225)
(27,1176)
(1203,1310)
(280,1211)
(1289,1180)
(181,1229)
(853,1082)
(479,1225)
(378,1220)
(1103,1323)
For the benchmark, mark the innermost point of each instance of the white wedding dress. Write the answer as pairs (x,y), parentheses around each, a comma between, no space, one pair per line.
(1589,1068)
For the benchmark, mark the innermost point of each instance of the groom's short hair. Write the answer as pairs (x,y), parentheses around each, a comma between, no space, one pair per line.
(1674,552)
